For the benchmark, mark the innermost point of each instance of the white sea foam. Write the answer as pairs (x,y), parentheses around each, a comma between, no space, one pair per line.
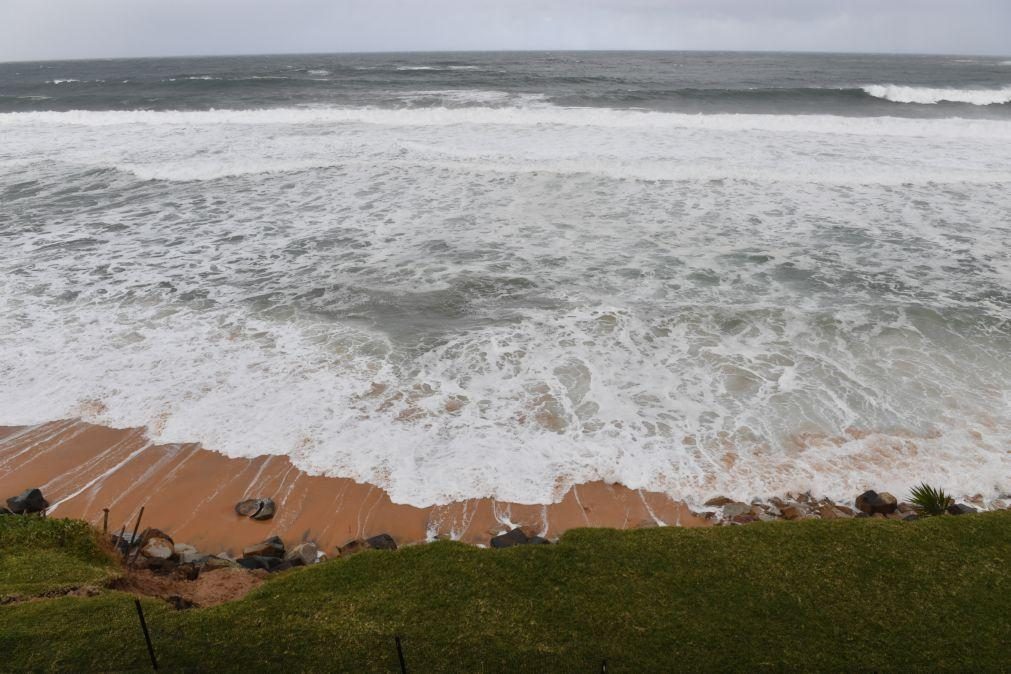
(929,96)
(536,115)
(503,301)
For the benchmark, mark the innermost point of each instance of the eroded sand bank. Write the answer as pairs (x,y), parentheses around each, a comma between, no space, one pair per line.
(190,492)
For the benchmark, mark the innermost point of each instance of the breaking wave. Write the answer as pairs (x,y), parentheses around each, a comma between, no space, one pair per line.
(929,96)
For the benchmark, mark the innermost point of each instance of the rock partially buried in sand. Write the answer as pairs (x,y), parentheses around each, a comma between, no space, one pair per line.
(381,542)
(510,539)
(27,502)
(256,508)
(873,503)
(272,547)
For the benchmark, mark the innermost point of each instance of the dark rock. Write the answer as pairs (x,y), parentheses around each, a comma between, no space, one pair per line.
(960,509)
(272,547)
(910,517)
(538,540)
(256,508)
(157,564)
(302,554)
(28,501)
(509,539)
(873,503)
(266,511)
(858,515)
(352,547)
(5,511)
(283,566)
(253,562)
(123,543)
(381,542)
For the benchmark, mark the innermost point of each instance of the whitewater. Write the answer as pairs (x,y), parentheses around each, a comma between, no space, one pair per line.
(497,292)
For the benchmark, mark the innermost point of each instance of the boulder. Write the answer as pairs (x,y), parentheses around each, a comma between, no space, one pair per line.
(960,509)
(352,547)
(27,502)
(793,511)
(832,512)
(906,507)
(151,532)
(192,557)
(718,501)
(745,518)
(910,517)
(538,540)
(253,562)
(302,554)
(283,566)
(732,510)
(845,510)
(248,508)
(381,542)
(509,539)
(157,548)
(256,508)
(5,511)
(266,511)
(873,503)
(272,547)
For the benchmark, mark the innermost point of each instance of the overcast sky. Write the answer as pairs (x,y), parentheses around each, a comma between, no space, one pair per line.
(51,29)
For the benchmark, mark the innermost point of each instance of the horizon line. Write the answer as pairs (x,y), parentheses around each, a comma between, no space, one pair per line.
(500,51)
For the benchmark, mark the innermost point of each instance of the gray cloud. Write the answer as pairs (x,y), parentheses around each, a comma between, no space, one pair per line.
(50,29)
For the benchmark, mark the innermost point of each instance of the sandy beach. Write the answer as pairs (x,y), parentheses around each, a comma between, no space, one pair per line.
(191,492)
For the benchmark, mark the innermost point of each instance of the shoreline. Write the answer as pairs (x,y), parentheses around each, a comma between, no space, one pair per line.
(191,492)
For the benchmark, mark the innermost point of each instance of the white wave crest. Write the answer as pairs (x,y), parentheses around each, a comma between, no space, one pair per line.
(531,115)
(929,96)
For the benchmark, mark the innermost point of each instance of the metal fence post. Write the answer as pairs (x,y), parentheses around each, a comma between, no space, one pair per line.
(147,636)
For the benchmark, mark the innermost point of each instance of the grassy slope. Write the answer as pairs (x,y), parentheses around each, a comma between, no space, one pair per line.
(39,557)
(816,595)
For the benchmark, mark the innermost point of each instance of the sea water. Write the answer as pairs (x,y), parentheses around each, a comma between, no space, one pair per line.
(466,275)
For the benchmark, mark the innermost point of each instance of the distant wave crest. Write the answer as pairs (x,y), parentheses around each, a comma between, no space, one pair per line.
(929,96)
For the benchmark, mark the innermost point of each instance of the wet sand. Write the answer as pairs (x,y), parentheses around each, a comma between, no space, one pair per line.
(190,492)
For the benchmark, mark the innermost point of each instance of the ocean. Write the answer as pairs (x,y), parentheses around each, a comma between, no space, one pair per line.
(467,275)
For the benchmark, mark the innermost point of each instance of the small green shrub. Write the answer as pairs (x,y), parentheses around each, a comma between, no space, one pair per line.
(929,500)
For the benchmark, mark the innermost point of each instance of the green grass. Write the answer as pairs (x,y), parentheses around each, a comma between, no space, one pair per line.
(47,556)
(838,595)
